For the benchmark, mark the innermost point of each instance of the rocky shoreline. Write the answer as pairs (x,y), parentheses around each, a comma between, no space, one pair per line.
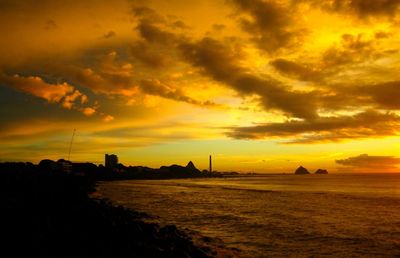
(52,215)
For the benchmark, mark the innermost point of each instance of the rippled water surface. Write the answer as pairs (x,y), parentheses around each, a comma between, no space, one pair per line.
(278,215)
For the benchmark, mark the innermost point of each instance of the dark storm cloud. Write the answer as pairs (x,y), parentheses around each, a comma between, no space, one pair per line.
(270,24)
(179,25)
(155,87)
(154,34)
(362,9)
(333,128)
(367,161)
(366,8)
(152,26)
(43,7)
(295,70)
(222,63)
(90,79)
(352,50)
(159,41)
(148,55)
(381,95)
(148,15)
(385,95)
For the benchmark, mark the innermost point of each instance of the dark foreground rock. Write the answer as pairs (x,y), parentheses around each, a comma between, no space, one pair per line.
(51,215)
(301,171)
(321,171)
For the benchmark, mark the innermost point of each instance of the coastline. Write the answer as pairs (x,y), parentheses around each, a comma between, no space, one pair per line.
(276,216)
(53,215)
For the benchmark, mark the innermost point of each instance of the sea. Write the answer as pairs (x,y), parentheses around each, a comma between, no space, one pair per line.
(334,215)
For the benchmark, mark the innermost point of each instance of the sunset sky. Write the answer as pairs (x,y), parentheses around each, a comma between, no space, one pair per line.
(262,85)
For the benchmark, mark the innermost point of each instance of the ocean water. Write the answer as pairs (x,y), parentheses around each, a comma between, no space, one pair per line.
(335,215)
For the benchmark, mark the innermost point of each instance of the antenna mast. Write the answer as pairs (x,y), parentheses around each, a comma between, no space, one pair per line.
(70,144)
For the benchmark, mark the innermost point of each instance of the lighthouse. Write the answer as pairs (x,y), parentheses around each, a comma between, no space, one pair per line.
(210,170)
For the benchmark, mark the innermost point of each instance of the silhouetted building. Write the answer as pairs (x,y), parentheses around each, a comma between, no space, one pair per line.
(111,161)
(64,165)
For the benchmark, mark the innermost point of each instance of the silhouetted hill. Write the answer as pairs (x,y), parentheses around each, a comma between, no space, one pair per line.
(301,171)
(190,166)
(179,171)
(321,171)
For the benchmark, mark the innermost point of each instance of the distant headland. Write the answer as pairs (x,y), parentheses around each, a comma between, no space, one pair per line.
(303,171)
(321,171)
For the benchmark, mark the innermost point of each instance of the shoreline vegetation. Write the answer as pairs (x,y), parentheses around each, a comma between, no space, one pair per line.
(121,172)
(48,212)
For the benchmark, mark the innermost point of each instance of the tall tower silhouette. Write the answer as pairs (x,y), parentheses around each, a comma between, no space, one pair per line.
(210,170)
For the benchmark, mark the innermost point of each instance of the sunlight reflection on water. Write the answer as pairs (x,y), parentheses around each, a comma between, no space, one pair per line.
(278,215)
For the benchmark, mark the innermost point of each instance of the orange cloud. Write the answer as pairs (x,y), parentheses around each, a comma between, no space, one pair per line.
(88,111)
(222,63)
(36,86)
(62,93)
(271,54)
(108,118)
(271,24)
